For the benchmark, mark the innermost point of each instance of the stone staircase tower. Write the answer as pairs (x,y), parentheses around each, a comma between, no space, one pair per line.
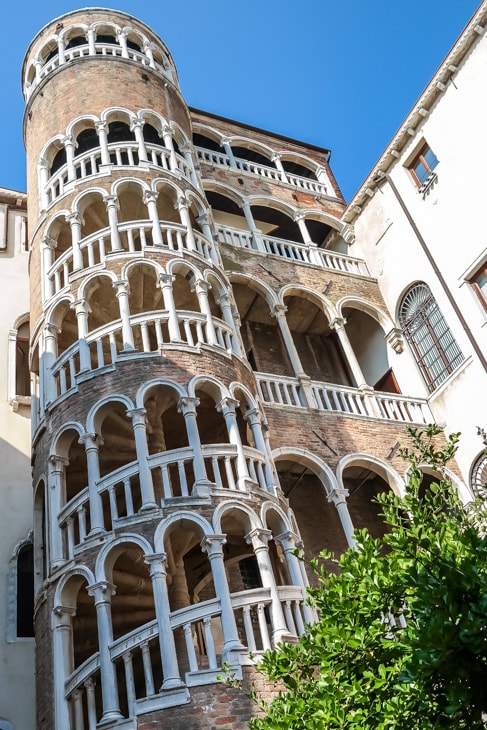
(163,542)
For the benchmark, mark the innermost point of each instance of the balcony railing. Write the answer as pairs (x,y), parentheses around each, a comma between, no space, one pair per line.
(150,333)
(172,475)
(135,237)
(270,173)
(199,652)
(101,49)
(285,391)
(121,153)
(297,252)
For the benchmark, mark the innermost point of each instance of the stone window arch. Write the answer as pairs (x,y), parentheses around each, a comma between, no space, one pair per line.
(20,607)
(18,363)
(428,335)
(478,476)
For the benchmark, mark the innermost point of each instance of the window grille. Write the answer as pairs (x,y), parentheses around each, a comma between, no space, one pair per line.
(478,478)
(428,335)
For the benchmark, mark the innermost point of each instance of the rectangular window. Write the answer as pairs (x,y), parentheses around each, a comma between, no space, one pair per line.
(479,284)
(422,166)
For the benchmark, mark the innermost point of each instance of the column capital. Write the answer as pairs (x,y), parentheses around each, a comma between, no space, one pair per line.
(338,496)
(258,538)
(348,233)
(102,591)
(213,544)
(181,202)
(188,405)
(227,405)
(288,540)
(44,163)
(338,323)
(137,415)
(299,216)
(157,563)
(48,241)
(64,612)
(202,285)
(111,201)
(80,306)
(101,124)
(150,196)
(252,416)
(225,140)
(276,156)
(121,286)
(395,339)
(121,33)
(90,440)
(51,329)
(57,463)
(68,140)
(166,279)
(278,310)
(74,218)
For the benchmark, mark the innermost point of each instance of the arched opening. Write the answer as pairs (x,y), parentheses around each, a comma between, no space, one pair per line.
(166,432)
(117,442)
(370,347)
(40,536)
(202,140)
(264,346)
(275,223)
(316,516)
(25,590)
(297,168)
(317,344)
(94,217)
(251,155)
(102,303)
(22,372)
(364,485)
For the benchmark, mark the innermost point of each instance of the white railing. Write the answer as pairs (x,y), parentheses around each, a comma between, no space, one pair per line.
(82,51)
(135,236)
(300,252)
(271,173)
(286,391)
(198,635)
(150,334)
(172,474)
(121,154)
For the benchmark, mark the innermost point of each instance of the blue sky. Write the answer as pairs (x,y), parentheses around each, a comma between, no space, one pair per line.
(341,74)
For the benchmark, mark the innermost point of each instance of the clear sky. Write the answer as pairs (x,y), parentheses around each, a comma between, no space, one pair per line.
(340,74)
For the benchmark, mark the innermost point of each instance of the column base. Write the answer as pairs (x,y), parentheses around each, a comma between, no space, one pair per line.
(202,488)
(111,716)
(149,507)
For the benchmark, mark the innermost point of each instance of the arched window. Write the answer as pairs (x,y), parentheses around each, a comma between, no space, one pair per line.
(428,335)
(478,477)
(20,615)
(18,363)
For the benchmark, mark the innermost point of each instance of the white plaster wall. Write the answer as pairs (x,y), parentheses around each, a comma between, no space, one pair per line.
(450,219)
(17,657)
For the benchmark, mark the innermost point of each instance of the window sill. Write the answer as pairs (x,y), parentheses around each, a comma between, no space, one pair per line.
(20,400)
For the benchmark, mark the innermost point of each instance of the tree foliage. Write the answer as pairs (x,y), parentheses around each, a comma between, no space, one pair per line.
(401,640)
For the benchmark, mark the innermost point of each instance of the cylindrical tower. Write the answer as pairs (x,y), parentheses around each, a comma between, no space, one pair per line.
(167,543)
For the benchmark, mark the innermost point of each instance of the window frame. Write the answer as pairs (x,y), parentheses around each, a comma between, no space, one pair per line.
(480,293)
(435,349)
(420,159)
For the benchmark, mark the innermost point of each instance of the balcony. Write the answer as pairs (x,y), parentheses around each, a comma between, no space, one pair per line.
(199,658)
(292,251)
(284,391)
(121,154)
(272,174)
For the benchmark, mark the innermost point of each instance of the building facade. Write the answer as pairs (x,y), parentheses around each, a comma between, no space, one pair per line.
(220,374)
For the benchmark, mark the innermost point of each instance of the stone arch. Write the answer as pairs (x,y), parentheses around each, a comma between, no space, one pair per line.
(147,386)
(58,445)
(110,551)
(80,123)
(169,522)
(69,32)
(208,383)
(97,411)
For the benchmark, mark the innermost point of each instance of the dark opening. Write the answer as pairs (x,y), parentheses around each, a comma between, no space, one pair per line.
(25,591)
(199,140)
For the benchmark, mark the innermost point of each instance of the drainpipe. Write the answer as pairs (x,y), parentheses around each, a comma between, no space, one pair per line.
(383,175)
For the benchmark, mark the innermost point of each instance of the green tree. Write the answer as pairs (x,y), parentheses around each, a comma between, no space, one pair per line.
(401,640)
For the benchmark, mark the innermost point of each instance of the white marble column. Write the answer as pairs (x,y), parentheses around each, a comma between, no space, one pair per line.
(122,291)
(339,499)
(48,246)
(165,282)
(102,593)
(276,159)
(69,147)
(137,127)
(201,288)
(43,180)
(338,324)
(300,220)
(170,667)
(256,233)
(48,358)
(168,143)
(91,41)
(188,156)
(223,302)
(259,539)
(140,433)
(227,407)
(213,546)
(74,220)
(62,639)
(122,39)
(102,131)
(279,313)
(56,496)
(150,200)
(97,522)
(225,143)
(82,309)
(182,206)
(288,542)
(187,406)
(253,419)
(111,202)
